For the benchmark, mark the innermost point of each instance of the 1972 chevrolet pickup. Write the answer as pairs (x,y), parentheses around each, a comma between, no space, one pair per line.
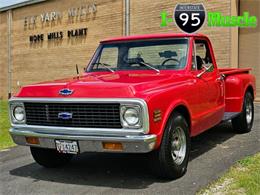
(139,94)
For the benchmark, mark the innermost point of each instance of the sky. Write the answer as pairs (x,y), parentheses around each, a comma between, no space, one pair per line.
(5,3)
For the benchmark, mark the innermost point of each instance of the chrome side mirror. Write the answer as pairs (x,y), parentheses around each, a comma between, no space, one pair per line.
(206,69)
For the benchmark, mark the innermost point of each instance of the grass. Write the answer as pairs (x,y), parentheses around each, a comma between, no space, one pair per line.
(242,178)
(5,138)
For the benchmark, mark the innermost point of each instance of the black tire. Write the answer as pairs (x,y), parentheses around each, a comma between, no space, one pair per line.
(240,123)
(163,163)
(50,158)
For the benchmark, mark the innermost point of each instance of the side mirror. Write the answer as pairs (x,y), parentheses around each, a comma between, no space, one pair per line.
(205,69)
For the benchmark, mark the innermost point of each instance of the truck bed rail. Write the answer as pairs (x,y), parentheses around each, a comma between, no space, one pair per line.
(230,71)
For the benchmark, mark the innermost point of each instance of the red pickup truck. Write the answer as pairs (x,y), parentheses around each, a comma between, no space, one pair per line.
(139,94)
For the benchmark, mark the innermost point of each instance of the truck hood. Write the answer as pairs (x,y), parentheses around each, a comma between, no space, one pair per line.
(105,85)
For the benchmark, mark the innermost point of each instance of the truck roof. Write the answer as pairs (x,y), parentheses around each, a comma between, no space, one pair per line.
(150,36)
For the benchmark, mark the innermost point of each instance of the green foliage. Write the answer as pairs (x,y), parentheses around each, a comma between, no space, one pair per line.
(242,178)
(5,138)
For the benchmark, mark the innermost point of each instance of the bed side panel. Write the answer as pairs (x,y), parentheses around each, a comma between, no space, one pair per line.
(235,88)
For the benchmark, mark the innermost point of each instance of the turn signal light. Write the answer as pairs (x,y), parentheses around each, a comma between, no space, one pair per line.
(112,146)
(32,140)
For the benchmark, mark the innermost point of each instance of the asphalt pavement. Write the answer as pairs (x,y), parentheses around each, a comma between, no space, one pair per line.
(213,152)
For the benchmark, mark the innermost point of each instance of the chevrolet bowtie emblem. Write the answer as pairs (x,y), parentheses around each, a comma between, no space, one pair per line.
(65,92)
(65,115)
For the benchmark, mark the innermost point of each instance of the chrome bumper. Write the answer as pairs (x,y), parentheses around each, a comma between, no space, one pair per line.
(87,143)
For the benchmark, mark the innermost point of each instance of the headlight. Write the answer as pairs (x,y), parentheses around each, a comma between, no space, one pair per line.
(131,116)
(17,113)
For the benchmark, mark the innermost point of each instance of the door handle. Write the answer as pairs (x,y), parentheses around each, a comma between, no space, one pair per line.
(221,78)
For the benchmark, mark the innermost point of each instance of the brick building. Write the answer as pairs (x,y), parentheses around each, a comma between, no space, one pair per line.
(44,39)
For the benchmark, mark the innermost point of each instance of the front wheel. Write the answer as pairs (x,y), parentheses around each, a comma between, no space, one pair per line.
(50,158)
(243,123)
(170,161)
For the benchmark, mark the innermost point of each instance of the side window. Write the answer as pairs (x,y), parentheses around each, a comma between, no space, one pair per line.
(109,56)
(203,56)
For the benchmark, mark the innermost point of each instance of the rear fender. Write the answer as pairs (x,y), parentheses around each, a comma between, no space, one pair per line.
(235,89)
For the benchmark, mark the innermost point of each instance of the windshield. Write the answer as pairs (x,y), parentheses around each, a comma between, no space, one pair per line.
(141,55)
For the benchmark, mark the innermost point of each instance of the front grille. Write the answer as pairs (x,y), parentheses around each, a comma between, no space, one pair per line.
(86,115)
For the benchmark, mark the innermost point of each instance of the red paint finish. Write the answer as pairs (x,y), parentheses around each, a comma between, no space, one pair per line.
(205,99)
(236,86)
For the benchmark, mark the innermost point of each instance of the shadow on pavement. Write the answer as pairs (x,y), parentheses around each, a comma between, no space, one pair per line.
(128,171)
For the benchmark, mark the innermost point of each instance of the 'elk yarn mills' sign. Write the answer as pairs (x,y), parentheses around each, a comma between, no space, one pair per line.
(55,17)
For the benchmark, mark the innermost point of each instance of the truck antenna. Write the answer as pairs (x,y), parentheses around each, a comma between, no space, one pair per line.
(77,70)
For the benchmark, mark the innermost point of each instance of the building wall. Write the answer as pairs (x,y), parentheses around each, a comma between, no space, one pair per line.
(249,42)
(145,18)
(56,59)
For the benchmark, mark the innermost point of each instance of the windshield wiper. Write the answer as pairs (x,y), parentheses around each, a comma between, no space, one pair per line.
(104,65)
(150,66)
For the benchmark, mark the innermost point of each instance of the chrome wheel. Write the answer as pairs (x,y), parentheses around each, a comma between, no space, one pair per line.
(178,145)
(249,112)
(243,123)
(171,159)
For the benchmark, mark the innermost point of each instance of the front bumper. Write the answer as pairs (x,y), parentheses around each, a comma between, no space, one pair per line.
(87,143)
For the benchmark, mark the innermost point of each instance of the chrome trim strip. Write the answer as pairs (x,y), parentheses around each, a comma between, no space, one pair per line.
(76,130)
(83,100)
(82,137)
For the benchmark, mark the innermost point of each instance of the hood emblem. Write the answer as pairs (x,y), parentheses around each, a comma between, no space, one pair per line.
(65,92)
(65,115)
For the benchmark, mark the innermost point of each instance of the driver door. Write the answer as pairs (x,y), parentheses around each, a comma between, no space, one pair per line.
(212,109)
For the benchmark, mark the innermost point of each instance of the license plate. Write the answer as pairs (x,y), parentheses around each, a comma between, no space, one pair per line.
(67,147)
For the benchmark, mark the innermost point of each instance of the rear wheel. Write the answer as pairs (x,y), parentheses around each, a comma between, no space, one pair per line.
(243,123)
(170,161)
(50,158)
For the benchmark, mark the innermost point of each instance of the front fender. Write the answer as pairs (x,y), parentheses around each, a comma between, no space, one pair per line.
(166,111)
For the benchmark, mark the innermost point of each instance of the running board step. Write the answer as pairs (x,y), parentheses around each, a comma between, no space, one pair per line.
(229,115)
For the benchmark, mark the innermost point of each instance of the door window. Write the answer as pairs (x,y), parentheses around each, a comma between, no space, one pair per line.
(203,55)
